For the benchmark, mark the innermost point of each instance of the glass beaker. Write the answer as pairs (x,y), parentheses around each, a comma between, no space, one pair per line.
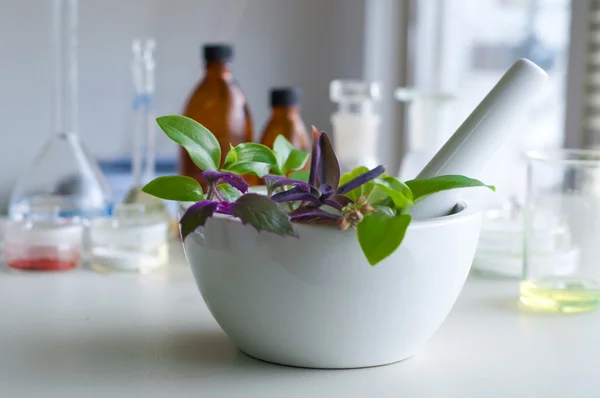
(562,225)
(129,241)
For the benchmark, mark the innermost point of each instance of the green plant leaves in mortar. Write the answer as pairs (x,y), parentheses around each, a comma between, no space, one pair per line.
(384,187)
(181,188)
(250,158)
(380,233)
(288,157)
(399,193)
(263,214)
(374,203)
(425,187)
(198,141)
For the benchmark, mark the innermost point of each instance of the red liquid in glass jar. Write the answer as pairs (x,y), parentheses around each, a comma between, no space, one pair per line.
(42,264)
(42,258)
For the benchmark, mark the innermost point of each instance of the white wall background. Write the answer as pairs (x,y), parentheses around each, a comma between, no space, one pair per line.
(278,42)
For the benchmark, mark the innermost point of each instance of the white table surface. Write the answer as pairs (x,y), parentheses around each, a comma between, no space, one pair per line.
(84,334)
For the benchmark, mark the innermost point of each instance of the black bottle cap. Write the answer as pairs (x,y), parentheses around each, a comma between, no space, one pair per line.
(288,96)
(218,52)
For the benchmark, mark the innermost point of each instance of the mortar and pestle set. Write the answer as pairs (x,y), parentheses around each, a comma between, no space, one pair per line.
(315,301)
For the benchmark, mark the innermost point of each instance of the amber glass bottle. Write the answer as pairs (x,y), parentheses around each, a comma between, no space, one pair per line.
(285,119)
(219,104)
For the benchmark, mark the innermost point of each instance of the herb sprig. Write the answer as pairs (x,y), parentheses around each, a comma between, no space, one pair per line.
(374,203)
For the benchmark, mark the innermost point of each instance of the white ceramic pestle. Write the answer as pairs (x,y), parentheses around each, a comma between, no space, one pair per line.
(481,134)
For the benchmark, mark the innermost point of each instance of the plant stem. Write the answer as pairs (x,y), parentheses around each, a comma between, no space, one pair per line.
(215,190)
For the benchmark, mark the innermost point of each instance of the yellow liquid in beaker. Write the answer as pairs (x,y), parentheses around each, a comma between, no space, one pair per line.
(560,295)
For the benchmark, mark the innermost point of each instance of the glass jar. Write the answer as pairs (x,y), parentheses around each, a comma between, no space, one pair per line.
(562,224)
(129,241)
(49,244)
(355,123)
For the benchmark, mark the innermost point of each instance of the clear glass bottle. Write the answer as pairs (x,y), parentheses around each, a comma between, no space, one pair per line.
(219,104)
(129,241)
(63,174)
(355,124)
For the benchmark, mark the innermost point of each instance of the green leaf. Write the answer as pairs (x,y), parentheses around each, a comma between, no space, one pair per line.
(398,191)
(282,149)
(296,161)
(181,188)
(300,175)
(263,214)
(387,210)
(198,141)
(395,184)
(257,153)
(288,158)
(363,190)
(400,201)
(229,193)
(258,169)
(381,233)
(251,158)
(425,187)
(231,157)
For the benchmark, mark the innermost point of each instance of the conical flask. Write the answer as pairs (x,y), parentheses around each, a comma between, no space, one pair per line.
(63,175)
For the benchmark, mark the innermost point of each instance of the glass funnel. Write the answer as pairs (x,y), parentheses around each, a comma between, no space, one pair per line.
(63,175)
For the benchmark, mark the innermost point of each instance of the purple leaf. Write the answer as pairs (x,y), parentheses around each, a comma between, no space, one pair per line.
(361,179)
(326,191)
(332,203)
(195,216)
(338,202)
(213,178)
(263,214)
(329,168)
(224,208)
(343,200)
(274,182)
(313,178)
(314,216)
(294,194)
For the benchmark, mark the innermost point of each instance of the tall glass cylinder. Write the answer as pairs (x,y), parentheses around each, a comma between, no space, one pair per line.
(144,129)
(562,226)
